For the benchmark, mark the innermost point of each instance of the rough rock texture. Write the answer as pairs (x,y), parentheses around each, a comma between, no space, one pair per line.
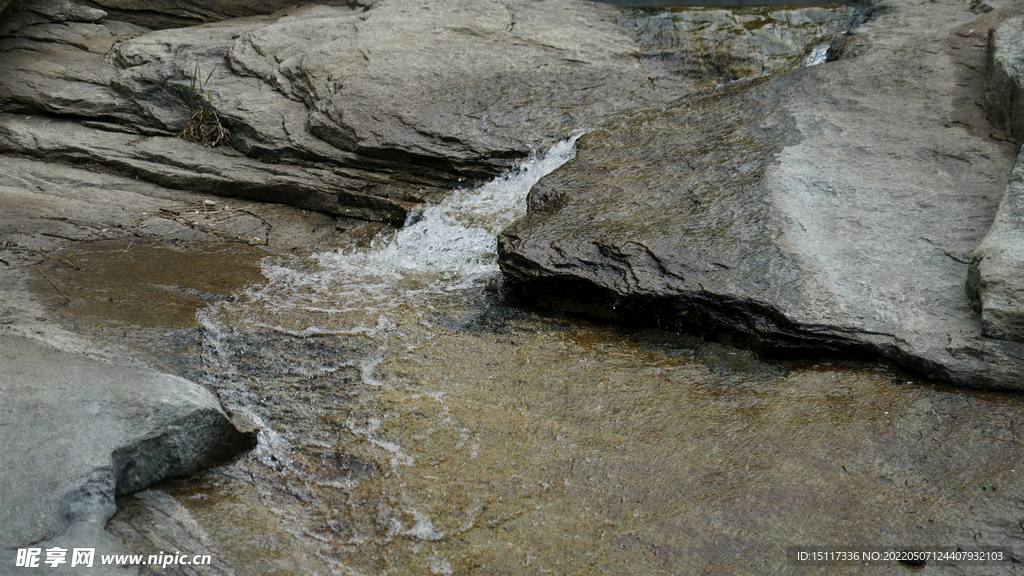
(165,14)
(379,109)
(151,522)
(832,207)
(79,432)
(181,165)
(1003,98)
(995,280)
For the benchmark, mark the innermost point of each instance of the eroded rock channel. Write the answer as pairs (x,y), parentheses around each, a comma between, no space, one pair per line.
(431,169)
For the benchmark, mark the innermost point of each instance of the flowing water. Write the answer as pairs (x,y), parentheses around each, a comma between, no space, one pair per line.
(412,424)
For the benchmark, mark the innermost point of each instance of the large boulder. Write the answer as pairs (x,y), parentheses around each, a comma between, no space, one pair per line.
(78,432)
(830,208)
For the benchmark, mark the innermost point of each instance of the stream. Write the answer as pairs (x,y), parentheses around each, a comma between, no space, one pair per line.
(413,422)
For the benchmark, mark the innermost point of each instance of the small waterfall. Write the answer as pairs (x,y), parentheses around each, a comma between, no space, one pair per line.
(322,327)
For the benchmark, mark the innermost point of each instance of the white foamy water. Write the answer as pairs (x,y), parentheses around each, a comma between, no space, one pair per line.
(310,356)
(450,247)
(818,55)
(455,239)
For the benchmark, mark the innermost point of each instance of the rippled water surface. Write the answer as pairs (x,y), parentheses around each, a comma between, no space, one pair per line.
(411,424)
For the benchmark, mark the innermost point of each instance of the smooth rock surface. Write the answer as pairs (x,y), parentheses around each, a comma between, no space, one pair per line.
(833,207)
(177,14)
(78,432)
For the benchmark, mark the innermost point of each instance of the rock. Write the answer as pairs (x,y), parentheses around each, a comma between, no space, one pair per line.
(79,432)
(995,280)
(352,112)
(177,164)
(51,205)
(1003,98)
(376,107)
(471,84)
(714,46)
(161,14)
(831,208)
(7,6)
(153,523)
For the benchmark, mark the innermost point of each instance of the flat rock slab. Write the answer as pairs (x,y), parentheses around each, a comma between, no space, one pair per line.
(78,432)
(834,207)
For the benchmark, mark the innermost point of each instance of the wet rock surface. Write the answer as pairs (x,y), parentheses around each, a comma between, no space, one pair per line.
(831,207)
(87,258)
(150,522)
(715,45)
(79,432)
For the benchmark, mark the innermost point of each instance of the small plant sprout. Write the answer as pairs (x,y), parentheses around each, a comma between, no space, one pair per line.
(204,126)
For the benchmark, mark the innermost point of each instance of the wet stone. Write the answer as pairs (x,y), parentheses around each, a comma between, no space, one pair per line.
(143,284)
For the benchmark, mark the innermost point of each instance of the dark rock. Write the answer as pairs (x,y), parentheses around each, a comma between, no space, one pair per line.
(832,207)
(7,6)
(1003,98)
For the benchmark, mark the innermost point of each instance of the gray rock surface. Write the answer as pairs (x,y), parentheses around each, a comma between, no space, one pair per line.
(1003,98)
(345,111)
(996,276)
(833,207)
(177,14)
(995,280)
(78,432)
